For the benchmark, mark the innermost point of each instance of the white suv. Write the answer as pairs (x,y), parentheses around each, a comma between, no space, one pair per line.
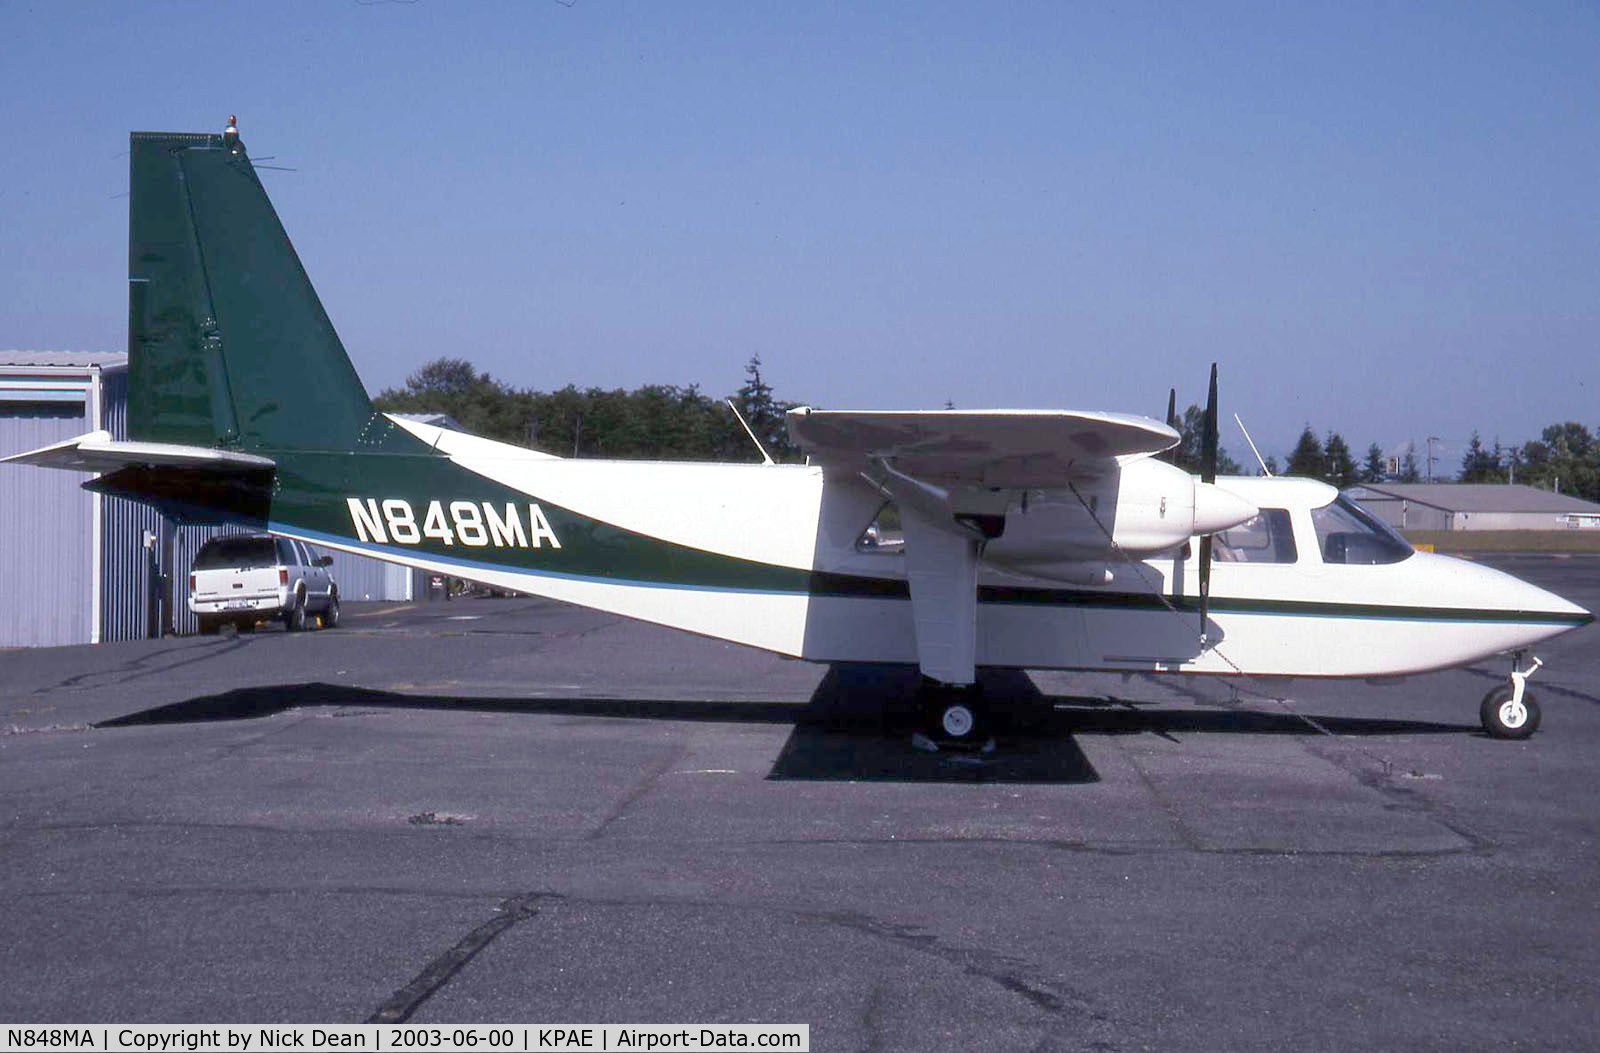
(244,578)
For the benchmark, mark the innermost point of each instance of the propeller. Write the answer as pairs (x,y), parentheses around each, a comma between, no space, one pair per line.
(1208,474)
(1171,456)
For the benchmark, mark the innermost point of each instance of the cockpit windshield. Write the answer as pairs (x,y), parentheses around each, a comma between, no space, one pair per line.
(1348,533)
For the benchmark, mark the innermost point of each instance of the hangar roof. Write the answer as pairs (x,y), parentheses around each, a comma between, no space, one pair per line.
(65,359)
(1474,497)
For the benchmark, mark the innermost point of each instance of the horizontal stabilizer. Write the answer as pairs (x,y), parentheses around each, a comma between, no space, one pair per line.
(99,452)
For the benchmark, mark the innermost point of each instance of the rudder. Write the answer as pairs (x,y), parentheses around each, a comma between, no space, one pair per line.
(228,343)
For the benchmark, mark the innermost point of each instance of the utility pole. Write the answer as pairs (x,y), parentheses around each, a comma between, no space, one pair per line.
(1431,458)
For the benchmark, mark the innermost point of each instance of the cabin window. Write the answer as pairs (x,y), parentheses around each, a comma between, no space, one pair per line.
(1348,533)
(1268,538)
(883,536)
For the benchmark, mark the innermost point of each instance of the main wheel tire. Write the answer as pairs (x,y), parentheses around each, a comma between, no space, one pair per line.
(1504,719)
(330,616)
(294,619)
(955,715)
(958,721)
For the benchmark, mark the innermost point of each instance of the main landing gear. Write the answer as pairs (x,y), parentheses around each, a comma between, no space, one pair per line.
(1510,711)
(954,715)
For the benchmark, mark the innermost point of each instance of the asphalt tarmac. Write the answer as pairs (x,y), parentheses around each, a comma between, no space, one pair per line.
(500,810)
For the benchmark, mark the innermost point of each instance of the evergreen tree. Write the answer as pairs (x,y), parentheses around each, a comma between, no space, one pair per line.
(1478,465)
(1339,469)
(1191,439)
(764,414)
(1307,460)
(1372,467)
(1409,473)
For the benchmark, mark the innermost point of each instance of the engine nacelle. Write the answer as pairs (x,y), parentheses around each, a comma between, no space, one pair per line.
(1146,506)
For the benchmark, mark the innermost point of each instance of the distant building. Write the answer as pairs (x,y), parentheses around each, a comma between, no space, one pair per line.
(1475,506)
(80,567)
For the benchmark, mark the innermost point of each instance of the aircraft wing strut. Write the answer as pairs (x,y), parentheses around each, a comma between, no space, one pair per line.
(953,473)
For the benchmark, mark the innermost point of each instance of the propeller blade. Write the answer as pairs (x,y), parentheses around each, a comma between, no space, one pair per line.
(1208,440)
(1208,474)
(1171,456)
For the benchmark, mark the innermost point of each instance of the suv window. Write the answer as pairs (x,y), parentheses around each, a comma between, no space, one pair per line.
(1268,538)
(286,553)
(236,552)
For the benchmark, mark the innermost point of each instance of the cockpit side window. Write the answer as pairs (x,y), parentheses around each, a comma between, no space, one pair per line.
(1348,533)
(1268,538)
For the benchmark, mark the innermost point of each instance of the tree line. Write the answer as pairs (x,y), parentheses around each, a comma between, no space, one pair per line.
(1565,458)
(669,422)
(655,422)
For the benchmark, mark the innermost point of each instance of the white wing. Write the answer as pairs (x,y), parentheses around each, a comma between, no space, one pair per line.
(986,448)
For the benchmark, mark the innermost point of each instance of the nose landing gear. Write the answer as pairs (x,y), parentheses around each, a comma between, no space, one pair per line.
(1510,711)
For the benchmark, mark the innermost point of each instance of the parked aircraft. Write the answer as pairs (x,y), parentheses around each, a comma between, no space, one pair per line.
(1029,539)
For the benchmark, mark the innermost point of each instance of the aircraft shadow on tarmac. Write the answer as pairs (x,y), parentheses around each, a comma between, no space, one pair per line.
(857,725)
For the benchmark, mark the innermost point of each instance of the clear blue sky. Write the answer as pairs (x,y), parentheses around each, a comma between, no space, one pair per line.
(1381,218)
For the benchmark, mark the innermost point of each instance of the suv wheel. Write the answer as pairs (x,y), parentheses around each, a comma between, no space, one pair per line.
(294,619)
(330,617)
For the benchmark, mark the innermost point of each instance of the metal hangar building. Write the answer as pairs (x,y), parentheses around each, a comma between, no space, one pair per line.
(80,567)
(1475,506)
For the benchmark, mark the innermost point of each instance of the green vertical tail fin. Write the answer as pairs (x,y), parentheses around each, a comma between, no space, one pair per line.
(228,344)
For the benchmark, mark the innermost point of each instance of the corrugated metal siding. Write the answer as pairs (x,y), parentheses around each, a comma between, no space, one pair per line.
(125,573)
(46,533)
(1406,515)
(47,557)
(365,578)
(1508,521)
(125,563)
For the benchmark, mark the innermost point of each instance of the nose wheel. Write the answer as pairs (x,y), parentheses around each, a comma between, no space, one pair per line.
(1510,711)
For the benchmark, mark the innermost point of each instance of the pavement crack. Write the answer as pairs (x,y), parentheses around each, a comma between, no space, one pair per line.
(1406,798)
(1002,970)
(398,1007)
(872,1021)
(147,665)
(641,788)
(1168,808)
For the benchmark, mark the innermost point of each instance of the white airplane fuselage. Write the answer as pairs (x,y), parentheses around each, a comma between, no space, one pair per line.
(1301,618)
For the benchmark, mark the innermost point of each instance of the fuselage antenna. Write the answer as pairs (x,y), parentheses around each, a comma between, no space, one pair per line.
(1264,470)
(766,458)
